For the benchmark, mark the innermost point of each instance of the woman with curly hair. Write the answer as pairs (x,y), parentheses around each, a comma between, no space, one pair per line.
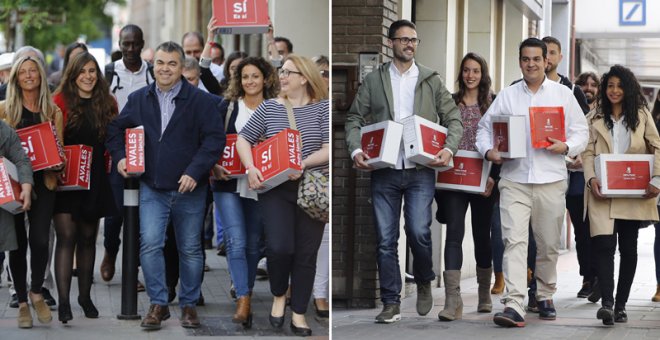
(254,81)
(620,124)
(88,108)
(29,103)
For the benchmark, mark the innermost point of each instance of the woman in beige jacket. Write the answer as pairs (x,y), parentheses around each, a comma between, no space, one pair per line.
(620,124)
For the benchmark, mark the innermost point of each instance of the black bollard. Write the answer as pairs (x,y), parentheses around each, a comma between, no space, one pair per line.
(130,248)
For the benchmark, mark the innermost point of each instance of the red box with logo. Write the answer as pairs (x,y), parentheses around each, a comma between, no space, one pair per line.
(544,122)
(506,129)
(469,174)
(230,159)
(77,173)
(624,175)
(422,140)
(10,188)
(241,16)
(135,150)
(381,142)
(41,145)
(277,157)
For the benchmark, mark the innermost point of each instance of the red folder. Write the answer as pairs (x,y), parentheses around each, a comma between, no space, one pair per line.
(546,121)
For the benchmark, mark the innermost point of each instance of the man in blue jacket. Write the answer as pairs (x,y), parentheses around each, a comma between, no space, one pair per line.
(183,139)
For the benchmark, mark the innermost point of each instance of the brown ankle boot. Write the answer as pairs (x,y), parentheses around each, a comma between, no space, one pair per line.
(656,297)
(453,303)
(498,286)
(242,310)
(485,304)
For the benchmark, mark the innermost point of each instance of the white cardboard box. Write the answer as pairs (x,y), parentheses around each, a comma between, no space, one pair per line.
(511,131)
(382,142)
(422,140)
(469,175)
(624,175)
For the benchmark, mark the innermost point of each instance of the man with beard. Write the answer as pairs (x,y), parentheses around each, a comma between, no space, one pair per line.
(396,90)
(588,82)
(554,58)
(532,188)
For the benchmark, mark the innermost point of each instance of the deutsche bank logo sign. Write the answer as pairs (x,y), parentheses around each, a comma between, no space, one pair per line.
(632,12)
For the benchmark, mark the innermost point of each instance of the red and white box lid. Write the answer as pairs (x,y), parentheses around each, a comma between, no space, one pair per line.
(241,16)
(78,170)
(469,174)
(10,188)
(381,142)
(507,129)
(624,175)
(422,140)
(277,157)
(230,159)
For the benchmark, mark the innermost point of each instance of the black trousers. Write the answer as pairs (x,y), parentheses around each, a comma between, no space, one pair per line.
(40,215)
(292,242)
(455,206)
(586,260)
(626,232)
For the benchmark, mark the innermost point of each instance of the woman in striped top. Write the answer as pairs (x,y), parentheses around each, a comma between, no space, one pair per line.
(292,237)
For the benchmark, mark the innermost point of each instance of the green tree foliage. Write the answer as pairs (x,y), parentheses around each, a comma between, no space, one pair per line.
(48,22)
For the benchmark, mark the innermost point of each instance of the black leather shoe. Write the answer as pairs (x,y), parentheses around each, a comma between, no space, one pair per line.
(64,312)
(606,314)
(595,292)
(300,331)
(88,308)
(620,316)
(532,304)
(547,310)
(50,300)
(13,303)
(585,291)
(509,318)
(276,322)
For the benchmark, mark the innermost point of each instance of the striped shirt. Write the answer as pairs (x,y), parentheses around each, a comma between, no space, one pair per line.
(312,120)
(166,103)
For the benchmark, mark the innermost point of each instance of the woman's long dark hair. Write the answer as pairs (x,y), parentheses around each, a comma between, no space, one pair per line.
(103,105)
(484,98)
(633,98)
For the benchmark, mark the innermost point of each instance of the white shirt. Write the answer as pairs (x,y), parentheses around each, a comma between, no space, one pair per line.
(244,114)
(403,93)
(540,166)
(128,81)
(218,73)
(620,136)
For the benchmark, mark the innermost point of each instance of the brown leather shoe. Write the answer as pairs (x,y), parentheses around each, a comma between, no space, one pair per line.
(107,267)
(156,314)
(140,286)
(189,317)
(242,310)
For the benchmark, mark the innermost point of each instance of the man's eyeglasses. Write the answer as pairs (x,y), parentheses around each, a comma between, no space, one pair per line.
(285,72)
(405,41)
(325,74)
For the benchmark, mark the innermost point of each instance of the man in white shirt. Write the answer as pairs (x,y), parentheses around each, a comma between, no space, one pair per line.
(394,91)
(532,188)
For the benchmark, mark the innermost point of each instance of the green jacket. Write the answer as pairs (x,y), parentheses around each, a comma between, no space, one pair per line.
(374,104)
(10,147)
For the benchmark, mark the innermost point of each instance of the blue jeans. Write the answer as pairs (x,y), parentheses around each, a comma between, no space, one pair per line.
(416,188)
(219,234)
(241,220)
(186,211)
(496,238)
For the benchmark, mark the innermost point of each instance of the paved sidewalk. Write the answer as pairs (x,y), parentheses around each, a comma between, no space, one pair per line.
(576,318)
(215,316)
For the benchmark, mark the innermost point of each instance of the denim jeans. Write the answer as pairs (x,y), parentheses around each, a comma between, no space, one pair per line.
(415,187)
(242,224)
(496,237)
(186,211)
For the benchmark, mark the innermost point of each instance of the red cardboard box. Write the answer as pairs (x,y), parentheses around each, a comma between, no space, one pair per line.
(41,145)
(277,157)
(382,142)
(624,175)
(544,122)
(470,173)
(422,140)
(78,168)
(230,159)
(10,189)
(507,129)
(135,151)
(241,16)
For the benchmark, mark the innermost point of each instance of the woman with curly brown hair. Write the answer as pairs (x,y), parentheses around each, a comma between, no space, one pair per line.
(88,107)
(254,81)
(29,103)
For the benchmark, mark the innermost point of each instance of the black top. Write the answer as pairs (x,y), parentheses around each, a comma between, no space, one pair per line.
(88,205)
(28,118)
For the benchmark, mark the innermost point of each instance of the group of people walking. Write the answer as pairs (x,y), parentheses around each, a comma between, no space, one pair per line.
(185,121)
(517,221)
